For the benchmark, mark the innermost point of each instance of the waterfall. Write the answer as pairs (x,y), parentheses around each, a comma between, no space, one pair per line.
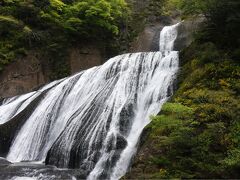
(168,36)
(93,119)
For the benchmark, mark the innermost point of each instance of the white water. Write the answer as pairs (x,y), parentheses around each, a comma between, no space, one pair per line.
(168,36)
(169,65)
(13,106)
(90,111)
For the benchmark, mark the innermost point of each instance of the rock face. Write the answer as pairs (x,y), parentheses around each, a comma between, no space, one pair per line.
(85,57)
(31,72)
(148,39)
(4,162)
(186,32)
(21,76)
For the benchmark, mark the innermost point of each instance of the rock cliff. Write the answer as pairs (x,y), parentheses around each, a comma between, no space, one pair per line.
(30,72)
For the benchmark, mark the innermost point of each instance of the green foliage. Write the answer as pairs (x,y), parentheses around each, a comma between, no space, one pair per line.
(222,20)
(42,25)
(156,7)
(9,32)
(197,134)
(150,10)
(9,20)
(177,110)
(196,141)
(57,5)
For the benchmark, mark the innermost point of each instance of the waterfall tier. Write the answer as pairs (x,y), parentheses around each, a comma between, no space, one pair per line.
(93,120)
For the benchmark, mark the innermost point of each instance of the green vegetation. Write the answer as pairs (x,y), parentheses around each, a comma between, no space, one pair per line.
(50,26)
(222,17)
(200,140)
(197,134)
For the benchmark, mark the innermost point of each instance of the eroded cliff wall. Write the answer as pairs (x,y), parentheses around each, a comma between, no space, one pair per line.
(32,71)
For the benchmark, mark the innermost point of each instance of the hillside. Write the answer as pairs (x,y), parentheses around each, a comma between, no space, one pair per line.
(196,135)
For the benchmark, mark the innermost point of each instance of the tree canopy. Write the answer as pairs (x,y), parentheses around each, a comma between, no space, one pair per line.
(52,25)
(82,17)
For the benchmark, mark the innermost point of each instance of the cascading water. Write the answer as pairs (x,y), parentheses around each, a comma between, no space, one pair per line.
(93,120)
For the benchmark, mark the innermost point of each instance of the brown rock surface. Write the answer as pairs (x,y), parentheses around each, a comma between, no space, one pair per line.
(84,58)
(21,76)
(31,72)
(148,39)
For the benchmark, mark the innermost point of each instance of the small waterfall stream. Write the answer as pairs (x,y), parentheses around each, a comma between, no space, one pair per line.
(93,120)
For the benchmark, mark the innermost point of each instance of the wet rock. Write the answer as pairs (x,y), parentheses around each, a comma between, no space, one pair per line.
(148,39)
(126,118)
(79,174)
(4,162)
(22,76)
(85,57)
(121,143)
(186,32)
(38,171)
